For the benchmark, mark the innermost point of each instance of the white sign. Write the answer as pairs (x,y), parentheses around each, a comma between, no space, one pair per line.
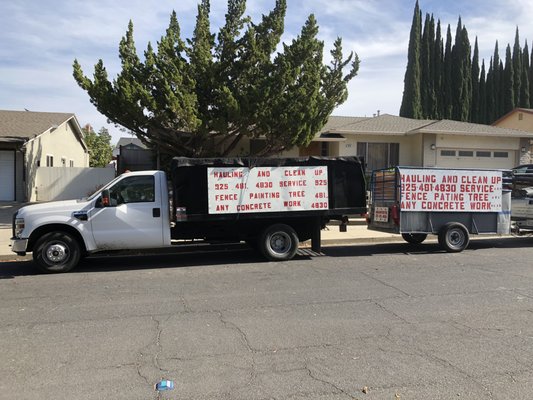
(381,214)
(450,190)
(267,189)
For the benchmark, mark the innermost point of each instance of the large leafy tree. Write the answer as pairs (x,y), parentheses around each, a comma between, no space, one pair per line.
(201,96)
(99,144)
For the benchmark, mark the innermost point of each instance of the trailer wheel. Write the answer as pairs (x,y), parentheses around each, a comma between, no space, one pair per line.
(278,242)
(414,238)
(453,237)
(56,252)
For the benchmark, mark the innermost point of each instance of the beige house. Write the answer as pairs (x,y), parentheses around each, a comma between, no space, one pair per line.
(29,140)
(388,140)
(521,119)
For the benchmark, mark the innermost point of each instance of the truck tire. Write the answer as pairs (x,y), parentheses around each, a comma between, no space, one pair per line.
(414,238)
(56,252)
(278,242)
(453,237)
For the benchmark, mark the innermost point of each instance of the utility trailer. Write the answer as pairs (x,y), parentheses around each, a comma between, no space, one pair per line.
(449,203)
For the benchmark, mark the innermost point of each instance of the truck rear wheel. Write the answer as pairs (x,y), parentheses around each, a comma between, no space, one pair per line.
(56,252)
(453,237)
(278,242)
(414,238)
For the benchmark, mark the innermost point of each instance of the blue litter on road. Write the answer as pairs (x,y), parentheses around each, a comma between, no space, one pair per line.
(164,385)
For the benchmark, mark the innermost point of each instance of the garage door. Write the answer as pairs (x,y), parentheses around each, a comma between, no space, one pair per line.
(7,175)
(487,159)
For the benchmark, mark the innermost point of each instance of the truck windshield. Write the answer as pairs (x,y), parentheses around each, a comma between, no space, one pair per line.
(108,185)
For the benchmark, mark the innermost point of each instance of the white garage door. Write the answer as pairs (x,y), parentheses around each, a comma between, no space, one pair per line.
(7,175)
(486,159)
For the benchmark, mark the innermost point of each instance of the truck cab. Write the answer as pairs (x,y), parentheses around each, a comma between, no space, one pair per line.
(130,212)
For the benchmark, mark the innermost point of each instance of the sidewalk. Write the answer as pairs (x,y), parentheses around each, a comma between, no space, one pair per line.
(357,232)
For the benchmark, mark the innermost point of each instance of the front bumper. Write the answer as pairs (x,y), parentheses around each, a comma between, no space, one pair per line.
(19,245)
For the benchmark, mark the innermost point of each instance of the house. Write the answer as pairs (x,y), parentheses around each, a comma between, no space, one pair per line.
(521,119)
(29,140)
(388,140)
(133,155)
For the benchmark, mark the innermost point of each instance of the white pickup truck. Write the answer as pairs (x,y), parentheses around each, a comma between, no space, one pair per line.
(271,204)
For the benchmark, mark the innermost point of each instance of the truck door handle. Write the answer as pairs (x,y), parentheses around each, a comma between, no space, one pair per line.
(156,212)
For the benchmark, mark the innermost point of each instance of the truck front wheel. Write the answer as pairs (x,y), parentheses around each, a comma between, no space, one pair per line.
(453,237)
(56,252)
(278,242)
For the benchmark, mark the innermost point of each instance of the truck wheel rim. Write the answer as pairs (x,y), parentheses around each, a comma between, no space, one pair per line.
(280,242)
(56,253)
(456,238)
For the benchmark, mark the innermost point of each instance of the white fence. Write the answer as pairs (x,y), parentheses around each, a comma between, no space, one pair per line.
(61,183)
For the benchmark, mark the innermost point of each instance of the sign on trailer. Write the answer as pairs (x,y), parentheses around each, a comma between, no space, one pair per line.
(450,190)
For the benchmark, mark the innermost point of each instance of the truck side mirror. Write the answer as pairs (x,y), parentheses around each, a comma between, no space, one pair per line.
(105,198)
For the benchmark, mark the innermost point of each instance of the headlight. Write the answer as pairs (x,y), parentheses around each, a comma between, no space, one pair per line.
(18,227)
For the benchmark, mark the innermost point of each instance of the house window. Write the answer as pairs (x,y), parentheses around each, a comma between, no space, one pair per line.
(49,161)
(482,153)
(520,116)
(71,163)
(63,162)
(447,153)
(501,154)
(379,155)
(466,153)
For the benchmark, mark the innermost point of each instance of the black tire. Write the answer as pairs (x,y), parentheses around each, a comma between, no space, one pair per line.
(278,242)
(56,252)
(414,238)
(453,237)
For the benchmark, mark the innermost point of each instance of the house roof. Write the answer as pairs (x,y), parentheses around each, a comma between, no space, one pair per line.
(124,141)
(449,127)
(28,124)
(387,124)
(523,110)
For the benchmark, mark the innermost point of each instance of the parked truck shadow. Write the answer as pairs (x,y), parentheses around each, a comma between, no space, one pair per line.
(228,255)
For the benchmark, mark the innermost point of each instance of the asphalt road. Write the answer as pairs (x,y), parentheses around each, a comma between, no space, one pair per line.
(392,320)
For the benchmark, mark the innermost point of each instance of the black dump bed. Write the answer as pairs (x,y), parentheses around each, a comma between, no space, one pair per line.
(346,183)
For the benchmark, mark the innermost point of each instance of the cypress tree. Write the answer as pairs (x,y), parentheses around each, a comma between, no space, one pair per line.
(508,83)
(530,75)
(524,86)
(482,113)
(517,69)
(461,75)
(438,69)
(489,97)
(496,83)
(466,91)
(411,106)
(447,106)
(474,116)
(426,85)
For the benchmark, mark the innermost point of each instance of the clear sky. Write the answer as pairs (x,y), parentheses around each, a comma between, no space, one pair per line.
(40,39)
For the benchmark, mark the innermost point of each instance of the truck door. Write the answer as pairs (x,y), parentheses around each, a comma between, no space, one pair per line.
(133,218)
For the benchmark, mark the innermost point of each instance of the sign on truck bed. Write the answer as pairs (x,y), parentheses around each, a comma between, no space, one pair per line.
(267,189)
(252,187)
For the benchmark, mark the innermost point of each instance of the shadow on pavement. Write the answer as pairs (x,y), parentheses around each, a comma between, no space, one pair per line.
(241,254)
(429,247)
